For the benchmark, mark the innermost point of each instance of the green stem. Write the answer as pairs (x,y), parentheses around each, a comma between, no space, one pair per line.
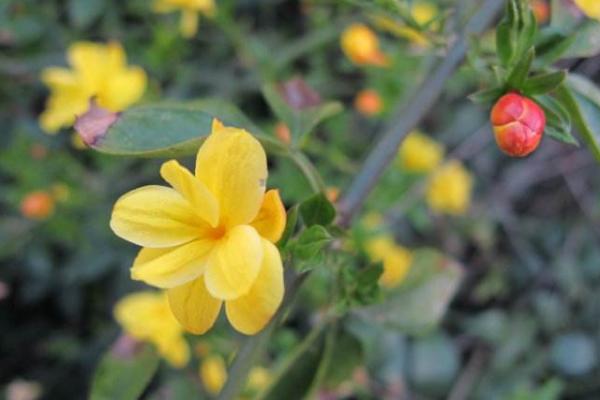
(254,346)
(308,170)
(408,118)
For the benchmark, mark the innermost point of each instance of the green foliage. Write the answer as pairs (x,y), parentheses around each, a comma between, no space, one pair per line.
(317,210)
(171,129)
(301,120)
(310,243)
(124,377)
(419,304)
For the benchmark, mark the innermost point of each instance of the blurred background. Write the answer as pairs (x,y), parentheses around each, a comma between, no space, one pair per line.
(518,315)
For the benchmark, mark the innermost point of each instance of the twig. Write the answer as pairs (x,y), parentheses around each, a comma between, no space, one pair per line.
(253,346)
(465,382)
(385,150)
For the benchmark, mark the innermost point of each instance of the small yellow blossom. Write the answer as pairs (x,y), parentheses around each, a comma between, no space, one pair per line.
(361,46)
(210,238)
(420,153)
(396,259)
(213,373)
(421,12)
(591,8)
(449,189)
(98,70)
(258,379)
(146,317)
(188,25)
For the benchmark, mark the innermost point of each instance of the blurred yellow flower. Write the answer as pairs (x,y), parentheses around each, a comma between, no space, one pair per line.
(421,12)
(98,70)
(210,239)
(420,153)
(396,259)
(361,46)
(146,317)
(258,379)
(449,189)
(591,8)
(188,25)
(213,373)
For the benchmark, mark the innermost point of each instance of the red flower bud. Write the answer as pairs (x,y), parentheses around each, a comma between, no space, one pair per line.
(518,124)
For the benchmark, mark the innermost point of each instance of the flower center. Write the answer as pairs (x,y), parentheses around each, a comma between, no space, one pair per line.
(218,232)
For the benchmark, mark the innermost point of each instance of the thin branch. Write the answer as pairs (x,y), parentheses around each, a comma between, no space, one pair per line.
(427,95)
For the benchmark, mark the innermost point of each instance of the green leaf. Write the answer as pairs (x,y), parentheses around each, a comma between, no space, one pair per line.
(504,42)
(544,83)
(294,378)
(486,95)
(83,12)
(171,129)
(586,41)
(290,226)
(433,364)
(558,120)
(310,243)
(300,122)
(419,304)
(520,71)
(317,210)
(551,46)
(346,354)
(124,378)
(529,30)
(581,99)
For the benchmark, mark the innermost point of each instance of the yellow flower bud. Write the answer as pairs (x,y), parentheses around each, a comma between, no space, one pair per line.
(213,373)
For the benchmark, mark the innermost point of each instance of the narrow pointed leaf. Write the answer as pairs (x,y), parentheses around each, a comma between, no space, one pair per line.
(519,73)
(544,83)
(581,100)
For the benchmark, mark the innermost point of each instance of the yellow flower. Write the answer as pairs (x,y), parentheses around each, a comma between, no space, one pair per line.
(361,46)
(449,189)
(591,8)
(258,379)
(396,259)
(421,12)
(420,153)
(213,373)
(188,25)
(210,239)
(98,70)
(146,316)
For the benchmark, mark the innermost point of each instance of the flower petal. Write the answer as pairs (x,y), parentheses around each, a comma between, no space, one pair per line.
(155,216)
(234,264)
(251,312)
(194,191)
(233,166)
(125,87)
(271,218)
(167,268)
(195,309)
